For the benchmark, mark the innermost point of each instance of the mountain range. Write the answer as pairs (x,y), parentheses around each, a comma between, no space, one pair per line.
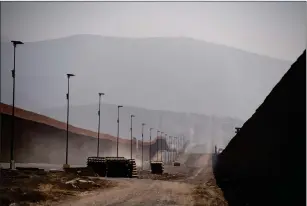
(176,79)
(176,74)
(200,129)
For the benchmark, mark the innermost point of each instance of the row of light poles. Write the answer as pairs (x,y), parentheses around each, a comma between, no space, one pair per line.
(12,162)
(100,94)
(157,142)
(117,139)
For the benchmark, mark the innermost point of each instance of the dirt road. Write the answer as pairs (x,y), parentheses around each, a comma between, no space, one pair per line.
(139,192)
(178,186)
(149,192)
(144,192)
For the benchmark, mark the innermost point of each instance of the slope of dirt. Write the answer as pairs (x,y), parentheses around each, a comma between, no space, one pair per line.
(132,192)
(203,160)
(264,164)
(186,186)
(165,176)
(194,159)
(208,194)
(29,187)
(153,192)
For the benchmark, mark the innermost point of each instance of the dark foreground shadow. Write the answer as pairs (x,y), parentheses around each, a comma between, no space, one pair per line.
(265,163)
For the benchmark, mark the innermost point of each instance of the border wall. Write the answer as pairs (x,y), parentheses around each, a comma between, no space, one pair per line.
(40,139)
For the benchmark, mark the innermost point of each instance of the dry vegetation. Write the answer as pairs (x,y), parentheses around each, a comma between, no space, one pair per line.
(33,188)
(205,192)
(164,176)
(208,194)
(28,188)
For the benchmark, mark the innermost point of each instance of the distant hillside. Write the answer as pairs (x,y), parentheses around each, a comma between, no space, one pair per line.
(200,129)
(176,74)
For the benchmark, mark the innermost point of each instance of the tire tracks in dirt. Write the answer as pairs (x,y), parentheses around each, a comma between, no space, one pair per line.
(138,192)
(148,192)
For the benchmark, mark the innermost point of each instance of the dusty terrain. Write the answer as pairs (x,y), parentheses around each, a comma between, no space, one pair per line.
(178,186)
(32,187)
(187,184)
(139,192)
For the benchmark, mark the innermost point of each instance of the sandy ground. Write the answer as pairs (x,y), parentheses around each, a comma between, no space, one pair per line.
(138,192)
(193,188)
(32,187)
(184,185)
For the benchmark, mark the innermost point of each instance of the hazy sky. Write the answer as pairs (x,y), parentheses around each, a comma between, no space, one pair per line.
(276,29)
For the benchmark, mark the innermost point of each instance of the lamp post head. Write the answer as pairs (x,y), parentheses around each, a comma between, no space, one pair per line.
(101,94)
(143,124)
(132,115)
(16,42)
(70,75)
(119,106)
(237,129)
(150,129)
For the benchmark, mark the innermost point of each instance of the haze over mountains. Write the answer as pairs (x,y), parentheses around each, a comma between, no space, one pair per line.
(171,74)
(200,129)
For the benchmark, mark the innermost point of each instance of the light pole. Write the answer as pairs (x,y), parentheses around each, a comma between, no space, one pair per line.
(117,129)
(161,144)
(143,124)
(179,147)
(12,162)
(176,143)
(157,143)
(164,151)
(170,149)
(237,129)
(181,142)
(67,122)
(173,149)
(100,94)
(150,144)
(131,116)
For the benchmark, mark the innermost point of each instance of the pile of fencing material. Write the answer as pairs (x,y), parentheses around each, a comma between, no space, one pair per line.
(157,167)
(176,164)
(117,167)
(113,166)
(132,168)
(98,165)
